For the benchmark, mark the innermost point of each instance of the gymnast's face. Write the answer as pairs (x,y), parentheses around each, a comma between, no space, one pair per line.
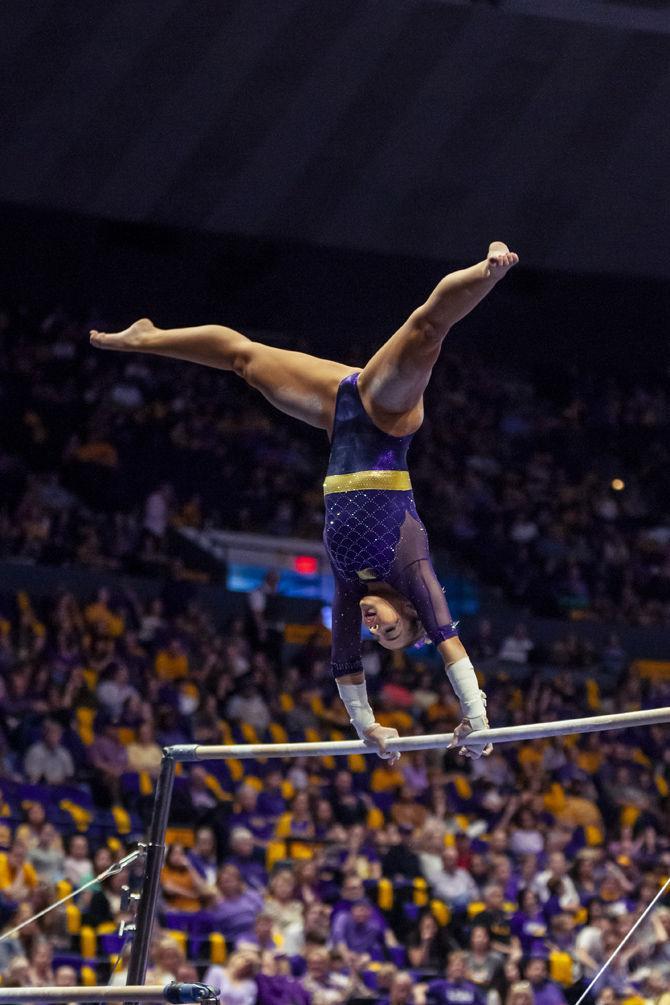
(391,622)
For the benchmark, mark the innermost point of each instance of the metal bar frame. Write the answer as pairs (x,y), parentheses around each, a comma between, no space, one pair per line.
(141,993)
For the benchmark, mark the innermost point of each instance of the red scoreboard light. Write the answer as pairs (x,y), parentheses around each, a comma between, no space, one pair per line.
(306,565)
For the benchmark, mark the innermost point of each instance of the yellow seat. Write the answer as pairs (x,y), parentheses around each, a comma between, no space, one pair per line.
(278,733)
(72,919)
(88,976)
(88,943)
(217,948)
(560,967)
(475,907)
(441,912)
(420,892)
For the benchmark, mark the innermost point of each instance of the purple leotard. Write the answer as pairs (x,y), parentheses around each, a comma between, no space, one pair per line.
(372,529)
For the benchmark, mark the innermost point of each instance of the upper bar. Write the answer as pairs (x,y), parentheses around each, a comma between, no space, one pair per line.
(504,734)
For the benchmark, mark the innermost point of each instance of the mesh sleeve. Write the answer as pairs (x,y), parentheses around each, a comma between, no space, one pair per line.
(346,647)
(413,576)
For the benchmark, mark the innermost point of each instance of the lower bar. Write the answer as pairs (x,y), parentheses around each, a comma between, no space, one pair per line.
(504,734)
(148,993)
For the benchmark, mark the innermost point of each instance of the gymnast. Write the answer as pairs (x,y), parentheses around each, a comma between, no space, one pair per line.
(377,545)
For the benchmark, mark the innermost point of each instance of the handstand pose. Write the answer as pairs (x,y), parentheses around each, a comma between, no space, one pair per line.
(376,542)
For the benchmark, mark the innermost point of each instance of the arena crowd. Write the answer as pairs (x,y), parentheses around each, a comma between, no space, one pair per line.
(504,880)
(555,489)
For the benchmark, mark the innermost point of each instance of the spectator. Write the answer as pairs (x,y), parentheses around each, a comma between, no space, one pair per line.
(203,856)
(183,887)
(526,838)
(77,866)
(452,884)
(40,971)
(28,833)
(529,924)
(557,870)
(357,932)
(545,991)
(403,990)
(236,980)
(109,761)
(172,662)
(348,806)
(17,876)
(235,905)
(104,905)
(286,910)
(143,753)
(495,918)
(428,945)
(115,690)
(18,973)
(323,984)
(157,512)
(275,984)
(263,937)
(483,966)
(66,976)
(248,705)
(520,993)
(168,957)
(47,856)
(516,647)
(455,989)
(48,760)
(248,857)
(245,814)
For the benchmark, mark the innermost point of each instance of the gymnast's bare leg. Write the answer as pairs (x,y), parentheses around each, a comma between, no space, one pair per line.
(305,387)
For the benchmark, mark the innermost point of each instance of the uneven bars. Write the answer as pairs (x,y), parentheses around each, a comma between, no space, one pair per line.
(504,734)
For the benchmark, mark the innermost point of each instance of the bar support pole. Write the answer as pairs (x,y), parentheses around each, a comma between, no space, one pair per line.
(146,911)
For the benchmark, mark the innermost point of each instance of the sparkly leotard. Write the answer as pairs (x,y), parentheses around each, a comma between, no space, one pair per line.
(372,529)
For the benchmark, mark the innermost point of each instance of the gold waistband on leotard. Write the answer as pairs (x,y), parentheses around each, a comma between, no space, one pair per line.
(396,481)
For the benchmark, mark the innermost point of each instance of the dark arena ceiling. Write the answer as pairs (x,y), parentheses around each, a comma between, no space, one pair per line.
(400,126)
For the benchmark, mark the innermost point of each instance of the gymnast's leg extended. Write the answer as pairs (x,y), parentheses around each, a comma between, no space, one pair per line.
(394,380)
(301,385)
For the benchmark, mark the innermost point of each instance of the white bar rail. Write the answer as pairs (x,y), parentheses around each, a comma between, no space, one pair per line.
(504,734)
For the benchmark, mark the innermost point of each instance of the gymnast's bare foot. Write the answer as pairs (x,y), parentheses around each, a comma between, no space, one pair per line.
(499,260)
(132,339)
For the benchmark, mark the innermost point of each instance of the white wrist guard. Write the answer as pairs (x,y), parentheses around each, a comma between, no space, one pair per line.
(462,678)
(355,698)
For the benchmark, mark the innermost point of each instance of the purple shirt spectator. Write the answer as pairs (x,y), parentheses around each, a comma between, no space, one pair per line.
(236,908)
(360,930)
(458,992)
(545,992)
(280,990)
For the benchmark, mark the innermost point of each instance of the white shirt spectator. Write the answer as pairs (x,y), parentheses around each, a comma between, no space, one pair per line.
(242,992)
(251,709)
(516,647)
(157,512)
(51,765)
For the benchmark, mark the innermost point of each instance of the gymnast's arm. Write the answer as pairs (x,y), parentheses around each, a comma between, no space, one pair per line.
(418,582)
(347,669)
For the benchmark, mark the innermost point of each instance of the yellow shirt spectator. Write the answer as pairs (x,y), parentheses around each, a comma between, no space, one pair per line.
(172,662)
(17,876)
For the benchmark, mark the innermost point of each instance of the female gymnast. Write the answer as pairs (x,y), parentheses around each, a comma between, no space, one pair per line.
(377,545)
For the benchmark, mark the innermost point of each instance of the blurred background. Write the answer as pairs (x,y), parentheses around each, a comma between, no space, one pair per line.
(306,171)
